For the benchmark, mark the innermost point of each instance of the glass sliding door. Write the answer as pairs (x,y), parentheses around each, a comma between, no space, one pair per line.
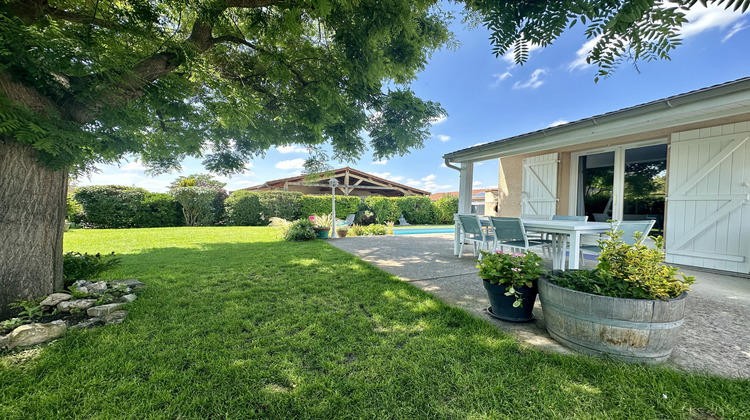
(645,184)
(621,183)
(596,175)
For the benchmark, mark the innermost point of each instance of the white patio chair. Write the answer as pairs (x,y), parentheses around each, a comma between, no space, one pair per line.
(350,219)
(471,232)
(509,231)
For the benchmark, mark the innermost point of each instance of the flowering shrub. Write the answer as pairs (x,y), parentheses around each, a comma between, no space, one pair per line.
(511,270)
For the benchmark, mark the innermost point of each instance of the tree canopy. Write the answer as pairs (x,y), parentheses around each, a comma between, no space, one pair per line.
(86,82)
(632,30)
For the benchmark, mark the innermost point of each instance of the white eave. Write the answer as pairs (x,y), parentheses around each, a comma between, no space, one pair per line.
(725,100)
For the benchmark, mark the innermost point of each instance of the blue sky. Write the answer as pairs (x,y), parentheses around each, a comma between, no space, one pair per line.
(490,98)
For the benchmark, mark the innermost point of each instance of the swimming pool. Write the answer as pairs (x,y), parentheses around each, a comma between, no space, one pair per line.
(417,231)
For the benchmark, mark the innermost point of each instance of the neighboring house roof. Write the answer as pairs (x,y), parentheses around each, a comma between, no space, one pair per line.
(723,100)
(351,181)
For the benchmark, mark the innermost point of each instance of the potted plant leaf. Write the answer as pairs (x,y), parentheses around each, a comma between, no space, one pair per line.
(322,224)
(511,283)
(629,307)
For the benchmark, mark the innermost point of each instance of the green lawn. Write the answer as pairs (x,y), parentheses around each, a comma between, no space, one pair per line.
(238,324)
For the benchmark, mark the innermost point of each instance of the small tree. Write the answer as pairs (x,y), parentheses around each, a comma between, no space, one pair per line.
(197,204)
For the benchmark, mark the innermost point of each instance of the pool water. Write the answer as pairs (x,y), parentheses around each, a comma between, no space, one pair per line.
(418,231)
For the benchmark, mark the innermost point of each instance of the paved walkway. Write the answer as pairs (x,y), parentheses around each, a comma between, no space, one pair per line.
(714,336)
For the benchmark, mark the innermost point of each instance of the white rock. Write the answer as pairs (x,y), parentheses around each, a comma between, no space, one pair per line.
(97,288)
(115,317)
(4,341)
(55,298)
(32,334)
(129,298)
(102,310)
(78,304)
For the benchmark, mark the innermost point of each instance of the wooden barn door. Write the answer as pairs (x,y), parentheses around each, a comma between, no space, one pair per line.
(539,191)
(708,206)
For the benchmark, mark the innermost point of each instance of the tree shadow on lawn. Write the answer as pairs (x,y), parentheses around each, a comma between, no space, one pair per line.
(306,330)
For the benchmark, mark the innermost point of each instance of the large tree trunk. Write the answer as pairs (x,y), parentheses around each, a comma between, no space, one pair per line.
(32,216)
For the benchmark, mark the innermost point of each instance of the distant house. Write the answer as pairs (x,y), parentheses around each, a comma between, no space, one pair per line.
(483,201)
(350,182)
(683,161)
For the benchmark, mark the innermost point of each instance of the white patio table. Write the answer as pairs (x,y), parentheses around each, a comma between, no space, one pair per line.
(562,232)
(559,229)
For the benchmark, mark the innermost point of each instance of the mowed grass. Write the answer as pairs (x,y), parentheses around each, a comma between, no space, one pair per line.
(236,323)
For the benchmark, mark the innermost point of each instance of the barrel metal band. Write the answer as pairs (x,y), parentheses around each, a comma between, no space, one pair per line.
(613,322)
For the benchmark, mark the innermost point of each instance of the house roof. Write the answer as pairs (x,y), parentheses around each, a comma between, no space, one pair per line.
(366,182)
(722,100)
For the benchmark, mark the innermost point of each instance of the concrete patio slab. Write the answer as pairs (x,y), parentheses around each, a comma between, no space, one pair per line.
(714,336)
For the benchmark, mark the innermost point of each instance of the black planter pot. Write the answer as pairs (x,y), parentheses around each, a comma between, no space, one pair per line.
(501,306)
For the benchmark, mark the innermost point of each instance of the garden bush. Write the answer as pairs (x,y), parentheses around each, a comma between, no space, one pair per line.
(371,230)
(282,204)
(109,206)
(244,209)
(417,210)
(158,210)
(301,230)
(385,209)
(321,204)
(446,207)
(73,210)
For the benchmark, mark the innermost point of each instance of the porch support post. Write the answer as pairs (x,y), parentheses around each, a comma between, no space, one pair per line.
(465,182)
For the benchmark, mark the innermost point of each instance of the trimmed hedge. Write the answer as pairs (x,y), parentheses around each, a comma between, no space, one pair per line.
(446,207)
(110,206)
(244,209)
(417,210)
(282,204)
(321,204)
(158,210)
(386,209)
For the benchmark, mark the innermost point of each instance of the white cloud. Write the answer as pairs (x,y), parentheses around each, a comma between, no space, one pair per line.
(291,164)
(533,81)
(701,19)
(443,165)
(380,162)
(558,122)
(414,183)
(443,137)
(736,28)
(292,148)
(438,120)
(499,77)
(739,26)
(479,144)
(580,62)
(430,177)
(388,175)
(476,183)
(135,165)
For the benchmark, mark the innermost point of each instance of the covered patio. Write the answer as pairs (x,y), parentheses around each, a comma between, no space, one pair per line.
(714,336)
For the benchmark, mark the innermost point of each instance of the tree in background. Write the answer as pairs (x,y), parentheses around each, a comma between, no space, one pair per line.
(202,199)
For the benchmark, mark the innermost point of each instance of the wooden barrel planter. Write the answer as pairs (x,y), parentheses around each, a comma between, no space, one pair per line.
(632,330)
